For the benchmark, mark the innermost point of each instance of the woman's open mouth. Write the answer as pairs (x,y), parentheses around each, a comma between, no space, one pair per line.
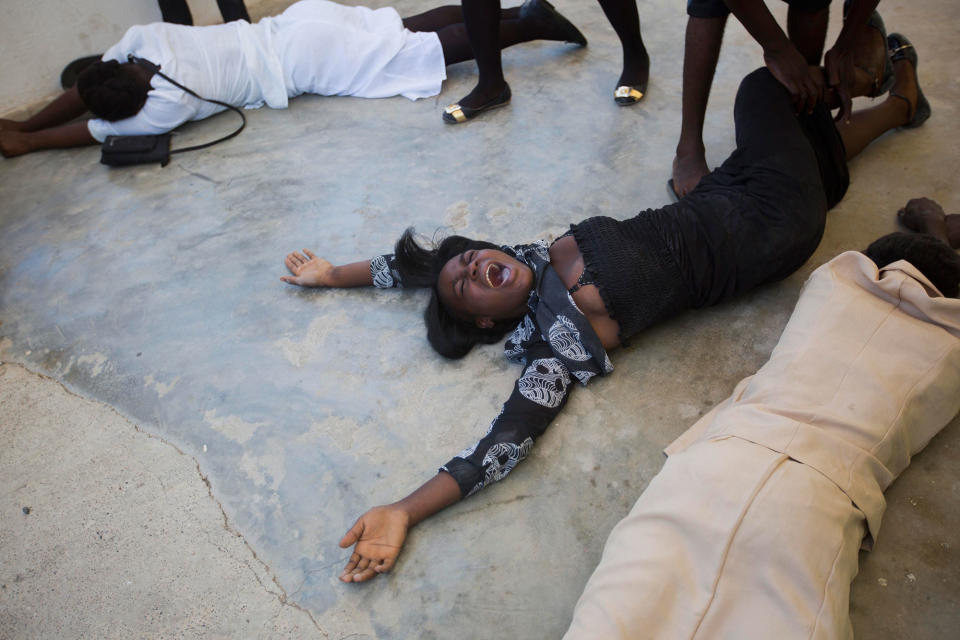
(496,275)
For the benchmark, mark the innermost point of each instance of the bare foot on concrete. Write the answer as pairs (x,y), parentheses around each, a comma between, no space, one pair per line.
(688,168)
(14,143)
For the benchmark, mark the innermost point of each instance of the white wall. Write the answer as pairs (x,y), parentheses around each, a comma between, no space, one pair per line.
(41,36)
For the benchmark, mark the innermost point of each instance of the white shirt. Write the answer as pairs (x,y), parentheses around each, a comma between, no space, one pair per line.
(314,46)
(233,63)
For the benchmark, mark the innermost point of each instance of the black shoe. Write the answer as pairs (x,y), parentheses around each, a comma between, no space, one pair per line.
(543,11)
(455,114)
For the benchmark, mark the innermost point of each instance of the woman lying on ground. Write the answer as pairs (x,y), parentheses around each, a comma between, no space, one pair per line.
(790,469)
(754,220)
(313,47)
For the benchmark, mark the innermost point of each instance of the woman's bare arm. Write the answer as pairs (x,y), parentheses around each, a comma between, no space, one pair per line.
(379,534)
(779,53)
(310,271)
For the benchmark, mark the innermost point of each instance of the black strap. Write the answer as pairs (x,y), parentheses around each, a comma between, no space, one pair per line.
(155,68)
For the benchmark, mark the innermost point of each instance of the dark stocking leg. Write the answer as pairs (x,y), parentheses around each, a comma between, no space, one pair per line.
(435,19)
(233,10)
(513,30)
(700,53)
(175,11)
(625,20)
(482,21)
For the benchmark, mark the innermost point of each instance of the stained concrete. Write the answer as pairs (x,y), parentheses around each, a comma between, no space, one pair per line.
(156,292)
(108,531)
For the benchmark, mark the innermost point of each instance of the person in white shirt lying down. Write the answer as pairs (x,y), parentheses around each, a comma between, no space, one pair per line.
(753,526)
(314,46)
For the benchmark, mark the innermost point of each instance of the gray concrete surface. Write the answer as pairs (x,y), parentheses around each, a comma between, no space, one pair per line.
(155,292)
(109,532)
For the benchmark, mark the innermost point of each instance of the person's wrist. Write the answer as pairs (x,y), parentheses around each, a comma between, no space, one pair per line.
(406,511)
(847,37)
(777,47)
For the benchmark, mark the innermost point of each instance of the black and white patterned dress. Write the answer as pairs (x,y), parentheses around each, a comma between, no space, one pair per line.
(556,346)
(754,220)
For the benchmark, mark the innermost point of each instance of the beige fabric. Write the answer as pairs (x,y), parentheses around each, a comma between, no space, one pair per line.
(751,529)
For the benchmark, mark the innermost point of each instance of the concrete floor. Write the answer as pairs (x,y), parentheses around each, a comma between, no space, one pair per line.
(191,437)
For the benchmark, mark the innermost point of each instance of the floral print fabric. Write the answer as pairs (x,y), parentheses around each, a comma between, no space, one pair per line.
(556,345)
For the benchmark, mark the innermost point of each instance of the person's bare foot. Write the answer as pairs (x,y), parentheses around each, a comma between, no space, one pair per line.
(14,143)
(688,168)
(10,125)
(924,215)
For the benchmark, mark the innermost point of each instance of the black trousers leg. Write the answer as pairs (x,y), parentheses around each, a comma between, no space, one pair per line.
(233,10)
(175,11)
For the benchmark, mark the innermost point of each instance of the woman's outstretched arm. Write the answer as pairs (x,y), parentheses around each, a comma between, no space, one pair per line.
(310,271)
(379,534)
(539,394)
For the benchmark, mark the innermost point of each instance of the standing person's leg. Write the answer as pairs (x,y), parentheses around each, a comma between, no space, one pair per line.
(481,19)
(625,20)
(175,11)
(808,30)
(701,50)
(233,10)
(489,30)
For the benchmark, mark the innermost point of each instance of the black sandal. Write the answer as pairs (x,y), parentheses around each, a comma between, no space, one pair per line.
(902,49)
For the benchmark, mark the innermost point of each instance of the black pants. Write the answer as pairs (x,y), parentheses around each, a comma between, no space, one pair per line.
(177,11)
(756,219)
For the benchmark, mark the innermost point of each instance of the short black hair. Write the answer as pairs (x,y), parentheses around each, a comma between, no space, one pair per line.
(112,91)
(420,266)
(933,257)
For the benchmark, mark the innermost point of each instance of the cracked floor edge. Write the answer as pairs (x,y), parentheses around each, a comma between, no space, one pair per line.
(9,619)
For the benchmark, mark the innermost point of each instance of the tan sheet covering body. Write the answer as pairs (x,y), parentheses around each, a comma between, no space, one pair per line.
(752,527)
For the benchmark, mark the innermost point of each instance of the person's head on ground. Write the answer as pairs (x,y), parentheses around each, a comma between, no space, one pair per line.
(113,91)
(479,293)
(931,256)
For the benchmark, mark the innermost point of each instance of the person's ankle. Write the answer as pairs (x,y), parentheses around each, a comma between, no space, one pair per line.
(690,149)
